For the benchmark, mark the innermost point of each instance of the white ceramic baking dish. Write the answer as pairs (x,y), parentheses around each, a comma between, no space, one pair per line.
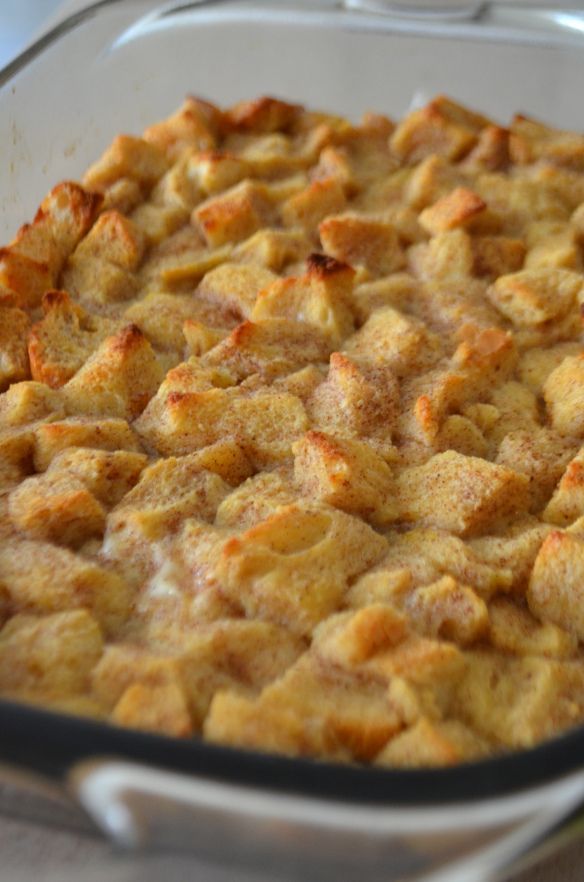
(118,66)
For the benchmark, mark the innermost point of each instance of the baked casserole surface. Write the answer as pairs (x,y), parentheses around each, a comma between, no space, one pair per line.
(291,435)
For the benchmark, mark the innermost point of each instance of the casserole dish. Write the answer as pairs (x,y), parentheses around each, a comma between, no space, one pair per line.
(399,825)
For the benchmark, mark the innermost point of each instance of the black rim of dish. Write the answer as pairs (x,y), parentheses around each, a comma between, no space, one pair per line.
(52,743)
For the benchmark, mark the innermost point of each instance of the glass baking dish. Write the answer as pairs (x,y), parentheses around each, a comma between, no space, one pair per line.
(119,65)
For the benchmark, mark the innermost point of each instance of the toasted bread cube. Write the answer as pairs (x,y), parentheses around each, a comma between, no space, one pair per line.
(26,278)
(215,172)
(320,298)
(540,454)
(28,402)
(361,241)
(491,151)
(309,207)
(497,255)
(456,209)
(346,474)
(201,338)
(441,127)
(16,446)
(194,125)
(265,114)
(447,256)
(64,217)
(533,296)
(311,709)
(298,547)
(556,586)
(98,282)
(162,709)
(127,157)
(461,494)
(520,701)
(235,214)
(567,503)
(397,290)
(433,743)
(108,475)
(554,246)
(115,239)
(118,380)
(56,508)
(123,196)
(43,578)
(169,491)
(257,499)
(161,318)
(14,326)
(351,638)
(226,459)
(236,654)
(449,610)
(564,396)
(49,656)
(64,339)
(264,424)
(54,437)
(270,348)
(274,249)
(156,223)
(514,629)
(233,288)
(356,402)
(536,365)
(396,340)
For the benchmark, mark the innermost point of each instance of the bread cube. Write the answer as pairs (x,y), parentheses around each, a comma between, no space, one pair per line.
(127,157)
(567,503)
(214,172)
(533,296)
(433,743)
(269,348)
(14,327)
(233,288)
(514,629)
(564,396)
(118,380)
(162,709)
(556,585)
(312,551)
(29,402)
(396,340)
(442,127)
(364,242)
(274,249)
(356,402)
(264,114)
(64,339)
(541,455)
(52,438)
(536,365)
(161,318)
(56,508)
(42,578)
(257,499)
(346,474)
(108,475)
(16,446)
(320,298)
(310,710)
(456,209)
(235,214)
(447,257)
(460,494)
(194,125)
(25,278)
(50,656)
(309,207)
(520,701)
(168,491)
(449,610)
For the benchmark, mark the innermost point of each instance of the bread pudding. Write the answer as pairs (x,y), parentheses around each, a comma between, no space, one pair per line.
(291,433)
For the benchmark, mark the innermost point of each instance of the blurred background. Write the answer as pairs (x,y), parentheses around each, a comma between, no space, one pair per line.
(19,21)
